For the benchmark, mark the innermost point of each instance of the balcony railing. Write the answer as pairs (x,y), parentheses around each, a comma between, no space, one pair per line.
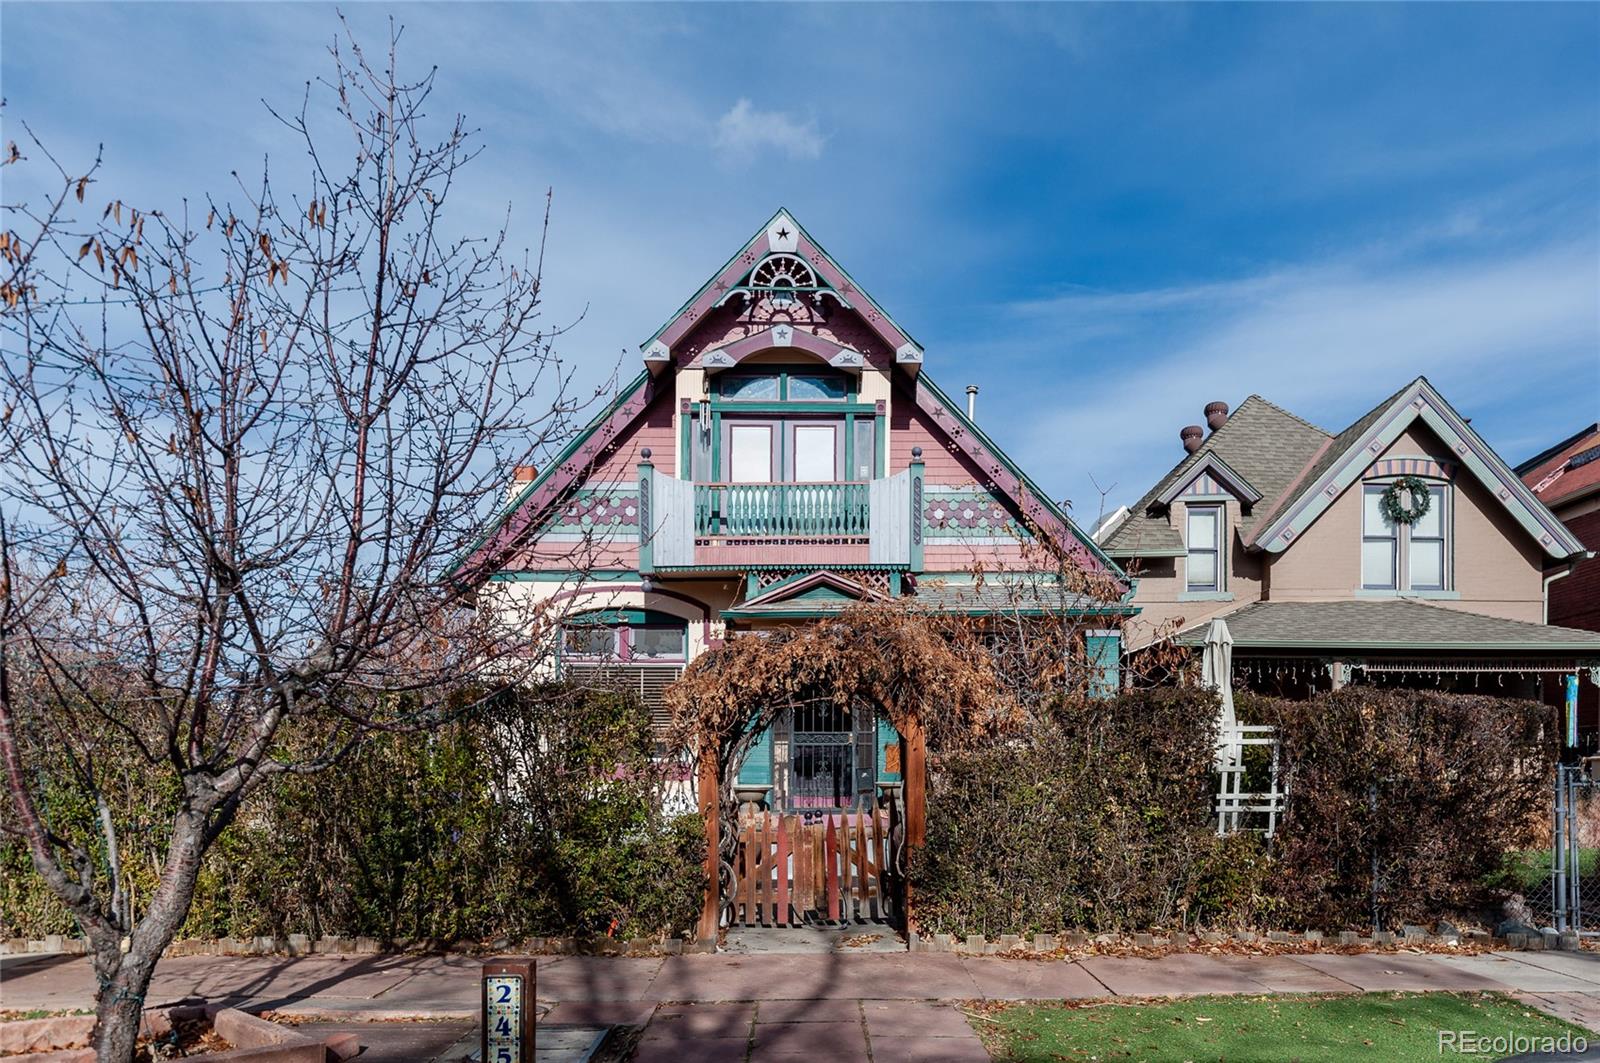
(783,510)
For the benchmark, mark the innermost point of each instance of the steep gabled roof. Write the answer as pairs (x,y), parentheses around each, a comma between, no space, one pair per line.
(524,512)
(1265,445)
(576,460)
(781,234)
(1568,471)
(1214,465)
(1353,450)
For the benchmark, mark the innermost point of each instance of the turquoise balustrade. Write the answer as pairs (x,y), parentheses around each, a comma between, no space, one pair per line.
(822,511)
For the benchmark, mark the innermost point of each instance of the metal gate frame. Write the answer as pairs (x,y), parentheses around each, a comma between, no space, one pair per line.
(1566,857)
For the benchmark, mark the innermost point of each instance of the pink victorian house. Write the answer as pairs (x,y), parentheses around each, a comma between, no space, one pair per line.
(782,454)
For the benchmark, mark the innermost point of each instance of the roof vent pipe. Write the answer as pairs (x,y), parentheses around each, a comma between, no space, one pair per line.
(1192,437)
(972,403)
(1216,414)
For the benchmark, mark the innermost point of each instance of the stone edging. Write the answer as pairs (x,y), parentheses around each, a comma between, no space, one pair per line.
(1050,944)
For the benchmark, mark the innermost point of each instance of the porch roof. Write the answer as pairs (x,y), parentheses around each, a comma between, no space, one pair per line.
(1398,625)
(998,594)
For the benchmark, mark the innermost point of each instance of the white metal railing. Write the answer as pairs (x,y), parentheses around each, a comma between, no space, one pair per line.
(1238,808)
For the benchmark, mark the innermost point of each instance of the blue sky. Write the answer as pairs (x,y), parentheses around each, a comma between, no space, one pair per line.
(1106,216)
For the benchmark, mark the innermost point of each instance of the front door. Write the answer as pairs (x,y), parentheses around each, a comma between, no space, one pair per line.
(829,757)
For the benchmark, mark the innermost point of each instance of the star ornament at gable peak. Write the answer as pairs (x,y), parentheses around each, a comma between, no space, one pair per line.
(783,234)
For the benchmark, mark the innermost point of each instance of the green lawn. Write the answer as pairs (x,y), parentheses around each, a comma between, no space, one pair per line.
(1275,1029)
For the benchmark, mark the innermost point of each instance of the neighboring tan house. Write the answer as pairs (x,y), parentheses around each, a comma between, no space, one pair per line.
(1304,542)
(1566,478)
(782,455)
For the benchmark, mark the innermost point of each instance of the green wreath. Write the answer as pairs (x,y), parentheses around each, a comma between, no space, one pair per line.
(1416,489)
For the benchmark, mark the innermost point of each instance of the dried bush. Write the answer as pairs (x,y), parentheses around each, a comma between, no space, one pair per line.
(1423,791)
(1098,817)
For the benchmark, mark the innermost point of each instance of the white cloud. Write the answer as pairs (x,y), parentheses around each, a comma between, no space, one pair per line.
(1324,341)
(744,132)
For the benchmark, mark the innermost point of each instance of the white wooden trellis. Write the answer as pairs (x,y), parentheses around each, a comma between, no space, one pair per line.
(1235,805)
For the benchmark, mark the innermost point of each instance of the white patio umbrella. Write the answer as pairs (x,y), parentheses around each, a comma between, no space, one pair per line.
(1216,672)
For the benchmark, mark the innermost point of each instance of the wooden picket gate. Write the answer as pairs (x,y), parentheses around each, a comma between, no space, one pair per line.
(836,869)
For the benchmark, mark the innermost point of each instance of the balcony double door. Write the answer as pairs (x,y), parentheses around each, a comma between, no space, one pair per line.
(761,452)
(785,479)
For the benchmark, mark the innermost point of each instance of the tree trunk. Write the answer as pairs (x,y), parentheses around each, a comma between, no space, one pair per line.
(119,1007)
(124,977)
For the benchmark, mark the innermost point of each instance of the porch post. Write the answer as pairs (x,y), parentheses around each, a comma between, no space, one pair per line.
(916,790)
(711,812)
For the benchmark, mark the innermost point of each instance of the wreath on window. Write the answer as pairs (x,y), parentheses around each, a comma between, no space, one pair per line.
(1417,500)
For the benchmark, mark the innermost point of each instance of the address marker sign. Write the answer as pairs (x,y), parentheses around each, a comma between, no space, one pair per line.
(508,1011)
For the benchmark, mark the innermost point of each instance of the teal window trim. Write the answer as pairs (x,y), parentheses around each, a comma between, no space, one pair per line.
(716,444)
(849,446)
(803,406)
(1205,596)
(685,458)
(1103,654)
(881,441)
(852,382)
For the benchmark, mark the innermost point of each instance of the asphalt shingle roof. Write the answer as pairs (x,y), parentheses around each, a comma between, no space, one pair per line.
(1390,624)
(1264,443)
(999,595)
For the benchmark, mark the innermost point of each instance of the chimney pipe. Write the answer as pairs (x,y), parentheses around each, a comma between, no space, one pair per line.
(1216,414)
(521,477)
(972,403)
(1192,437)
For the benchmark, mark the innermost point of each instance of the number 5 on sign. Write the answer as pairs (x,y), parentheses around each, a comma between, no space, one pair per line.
(508,1011)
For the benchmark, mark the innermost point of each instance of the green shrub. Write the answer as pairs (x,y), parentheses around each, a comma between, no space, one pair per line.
(537,815)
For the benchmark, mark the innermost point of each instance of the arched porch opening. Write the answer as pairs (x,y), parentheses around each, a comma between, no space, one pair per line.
(927,678)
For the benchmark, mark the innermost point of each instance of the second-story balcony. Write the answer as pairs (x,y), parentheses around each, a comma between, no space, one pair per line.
(835,512)
(714,525)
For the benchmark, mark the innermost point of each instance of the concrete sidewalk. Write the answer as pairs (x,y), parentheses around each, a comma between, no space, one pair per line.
(821,1005)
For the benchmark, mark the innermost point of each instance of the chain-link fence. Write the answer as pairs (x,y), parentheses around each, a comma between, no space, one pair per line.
(1572,899)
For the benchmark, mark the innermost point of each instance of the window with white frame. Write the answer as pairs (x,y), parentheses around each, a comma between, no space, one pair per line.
(1203,568)
(1413,557)
(1380,543)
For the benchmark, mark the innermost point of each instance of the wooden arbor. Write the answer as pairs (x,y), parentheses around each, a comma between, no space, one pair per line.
(928,678)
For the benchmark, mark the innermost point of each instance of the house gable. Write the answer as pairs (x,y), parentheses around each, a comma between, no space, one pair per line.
(1210,477)
(1352,455)
(782,235)
(833,322)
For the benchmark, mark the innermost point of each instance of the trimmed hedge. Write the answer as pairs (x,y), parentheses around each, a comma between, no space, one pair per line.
(1100,816)
(1437,788)
(538,816)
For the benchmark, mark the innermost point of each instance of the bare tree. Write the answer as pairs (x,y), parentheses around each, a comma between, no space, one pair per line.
(239,447)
